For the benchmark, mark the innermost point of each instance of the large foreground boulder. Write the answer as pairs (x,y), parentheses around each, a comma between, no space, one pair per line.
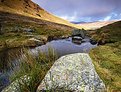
(73,72)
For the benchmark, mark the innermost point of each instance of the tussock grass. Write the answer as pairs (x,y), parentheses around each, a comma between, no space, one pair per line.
(32,70)
(107,60)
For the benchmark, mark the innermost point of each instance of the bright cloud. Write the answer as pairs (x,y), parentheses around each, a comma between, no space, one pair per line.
(107,18)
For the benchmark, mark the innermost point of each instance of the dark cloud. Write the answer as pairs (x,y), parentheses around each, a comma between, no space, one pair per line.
(83,10)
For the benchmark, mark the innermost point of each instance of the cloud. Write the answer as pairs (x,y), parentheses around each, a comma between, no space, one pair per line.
(92,10)
(107,18)
(70,18)
(111,16)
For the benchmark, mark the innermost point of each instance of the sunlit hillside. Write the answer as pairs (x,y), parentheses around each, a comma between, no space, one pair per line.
(29,8)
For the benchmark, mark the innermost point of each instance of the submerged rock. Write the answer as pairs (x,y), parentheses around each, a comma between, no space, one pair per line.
(4,81)
(79,32)
(73,72)
(93,42)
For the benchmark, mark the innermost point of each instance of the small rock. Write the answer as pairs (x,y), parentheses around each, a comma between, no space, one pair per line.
(28,30)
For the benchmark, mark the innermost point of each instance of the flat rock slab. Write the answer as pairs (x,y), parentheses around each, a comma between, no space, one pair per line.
(74,72)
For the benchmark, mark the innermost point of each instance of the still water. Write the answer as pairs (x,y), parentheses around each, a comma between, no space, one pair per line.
(66,46)
(61,47)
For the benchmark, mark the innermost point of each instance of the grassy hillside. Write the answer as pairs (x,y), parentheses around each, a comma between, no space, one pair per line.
(108,34)
(14,31)
(29,8)
(18,17)
(107,57)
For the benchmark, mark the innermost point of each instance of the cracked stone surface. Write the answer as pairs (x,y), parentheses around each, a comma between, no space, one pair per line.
(73,72)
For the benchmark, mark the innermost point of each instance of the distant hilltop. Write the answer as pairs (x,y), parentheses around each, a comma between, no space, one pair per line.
(94,25)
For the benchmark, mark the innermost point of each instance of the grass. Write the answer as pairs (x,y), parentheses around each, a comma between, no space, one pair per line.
(31,71)
(54,33)
(13,34)
(107,61)
(107,57)
(8,42)
(107,34)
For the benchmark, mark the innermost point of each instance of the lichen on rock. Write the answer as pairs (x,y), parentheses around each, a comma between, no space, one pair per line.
(73,72)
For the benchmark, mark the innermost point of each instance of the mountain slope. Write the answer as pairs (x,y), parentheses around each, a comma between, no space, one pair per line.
(96,25)
(29,8)
(108,34)
(107,56)
(23,23)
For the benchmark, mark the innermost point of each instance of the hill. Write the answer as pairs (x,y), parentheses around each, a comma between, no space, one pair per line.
(107,56)
(30,9)
(108,34)
(24,23)
(95,25)
(17,31)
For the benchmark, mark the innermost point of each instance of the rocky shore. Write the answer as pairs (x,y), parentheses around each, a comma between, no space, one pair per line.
(32,41)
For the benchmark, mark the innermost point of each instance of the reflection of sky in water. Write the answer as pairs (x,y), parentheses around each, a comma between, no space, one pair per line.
(63,47)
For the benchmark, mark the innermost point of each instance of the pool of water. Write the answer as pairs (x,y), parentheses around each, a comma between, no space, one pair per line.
(61,47)
(66,46)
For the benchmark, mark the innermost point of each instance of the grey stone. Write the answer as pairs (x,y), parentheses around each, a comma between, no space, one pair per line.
(16,85)
(73,72)
(28,30)
(78,32)
(38,42)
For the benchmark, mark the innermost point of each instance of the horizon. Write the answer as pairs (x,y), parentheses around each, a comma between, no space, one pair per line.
(84,10)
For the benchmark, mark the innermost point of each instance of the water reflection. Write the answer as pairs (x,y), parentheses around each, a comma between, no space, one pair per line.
(67,46)
(9,59)
(61,47)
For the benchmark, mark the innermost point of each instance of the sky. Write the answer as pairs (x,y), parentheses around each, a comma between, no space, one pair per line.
(83,10)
